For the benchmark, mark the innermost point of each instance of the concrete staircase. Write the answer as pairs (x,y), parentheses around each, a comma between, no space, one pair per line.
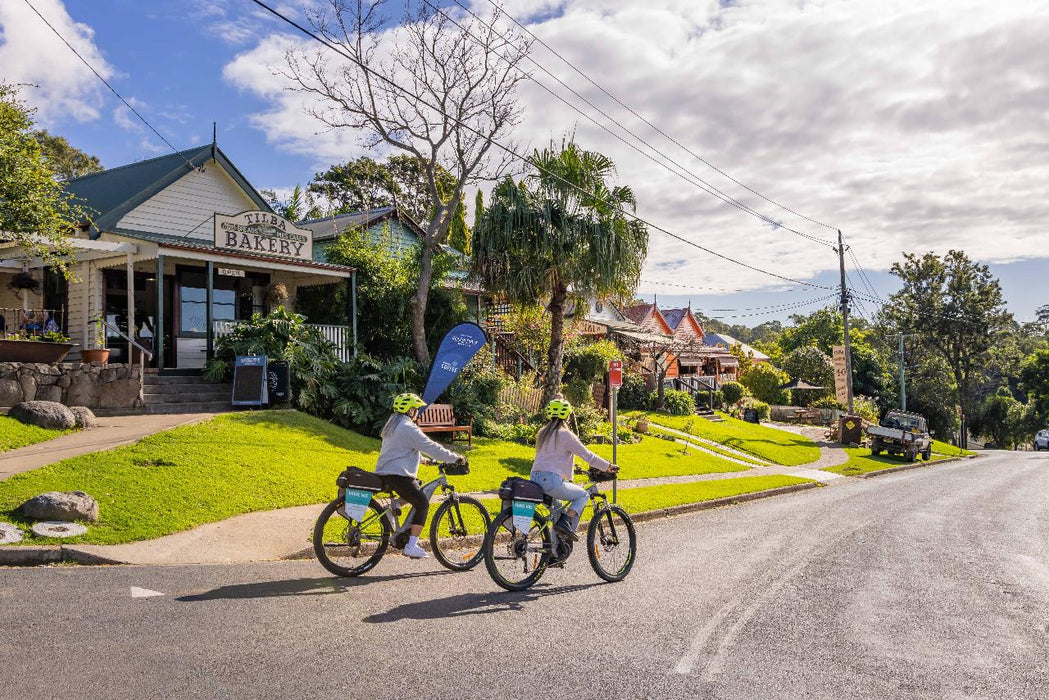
(178,394)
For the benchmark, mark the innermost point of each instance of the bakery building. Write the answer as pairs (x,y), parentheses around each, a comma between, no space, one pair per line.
(180,249)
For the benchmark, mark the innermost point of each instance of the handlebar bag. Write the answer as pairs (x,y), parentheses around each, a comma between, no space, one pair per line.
(456,469)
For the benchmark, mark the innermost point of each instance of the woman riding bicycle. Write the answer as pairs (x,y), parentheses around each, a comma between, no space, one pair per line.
(556,446)
(398,464)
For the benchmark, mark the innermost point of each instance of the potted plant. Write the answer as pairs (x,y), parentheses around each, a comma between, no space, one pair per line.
(100,353)
(23,347)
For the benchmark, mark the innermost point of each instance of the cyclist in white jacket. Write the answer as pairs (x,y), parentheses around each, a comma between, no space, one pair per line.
(556,448)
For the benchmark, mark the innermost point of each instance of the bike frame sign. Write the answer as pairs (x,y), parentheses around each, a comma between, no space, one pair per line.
(523,512)
(357,501)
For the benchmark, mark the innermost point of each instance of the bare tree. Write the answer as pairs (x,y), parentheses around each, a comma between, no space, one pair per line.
(439,90)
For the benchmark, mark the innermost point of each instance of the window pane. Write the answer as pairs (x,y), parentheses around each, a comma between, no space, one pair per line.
(193,294)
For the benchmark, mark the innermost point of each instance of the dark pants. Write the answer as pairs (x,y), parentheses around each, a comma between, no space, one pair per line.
(408,488)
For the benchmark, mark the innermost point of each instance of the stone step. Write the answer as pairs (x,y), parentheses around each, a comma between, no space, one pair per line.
(174,379)
(188,397)
(185,388)
(154,409)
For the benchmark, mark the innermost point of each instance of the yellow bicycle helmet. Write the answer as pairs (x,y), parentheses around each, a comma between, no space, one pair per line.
(558,408)
(403,403)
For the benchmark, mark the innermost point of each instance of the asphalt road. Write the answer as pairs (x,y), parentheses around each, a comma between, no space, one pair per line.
(931,583)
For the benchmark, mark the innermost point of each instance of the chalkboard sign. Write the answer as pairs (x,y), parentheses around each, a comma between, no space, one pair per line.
(750,415)
(278,376)
(249,381)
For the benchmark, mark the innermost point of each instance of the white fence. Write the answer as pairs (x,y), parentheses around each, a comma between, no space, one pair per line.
(339,336)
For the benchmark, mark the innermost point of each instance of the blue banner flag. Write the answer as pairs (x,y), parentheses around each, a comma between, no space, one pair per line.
(458,347)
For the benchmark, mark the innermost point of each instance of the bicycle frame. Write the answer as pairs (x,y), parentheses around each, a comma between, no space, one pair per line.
(429,488)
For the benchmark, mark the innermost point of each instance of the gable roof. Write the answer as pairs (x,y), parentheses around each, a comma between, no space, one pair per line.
(331,226)
(640,314)
(728,341)
(673,317)
(114,192)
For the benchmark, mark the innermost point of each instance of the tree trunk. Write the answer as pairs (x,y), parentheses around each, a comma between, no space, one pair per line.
(418,304)
(556,353)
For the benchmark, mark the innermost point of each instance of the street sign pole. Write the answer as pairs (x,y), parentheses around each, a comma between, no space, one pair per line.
(615,380)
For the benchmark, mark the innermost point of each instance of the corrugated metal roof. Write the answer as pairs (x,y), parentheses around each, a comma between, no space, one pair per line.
(332,226)
(728,341)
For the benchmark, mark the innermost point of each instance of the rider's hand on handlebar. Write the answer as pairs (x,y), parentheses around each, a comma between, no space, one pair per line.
(461,460)
(614,469)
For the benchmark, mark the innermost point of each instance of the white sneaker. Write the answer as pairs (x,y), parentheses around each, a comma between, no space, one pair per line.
(415,552)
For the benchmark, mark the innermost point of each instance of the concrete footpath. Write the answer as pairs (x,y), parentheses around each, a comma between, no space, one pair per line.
(109,433)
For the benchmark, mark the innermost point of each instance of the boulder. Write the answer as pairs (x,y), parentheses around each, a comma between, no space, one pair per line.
(58,505)
(10,392)
(85,417)
(46,414)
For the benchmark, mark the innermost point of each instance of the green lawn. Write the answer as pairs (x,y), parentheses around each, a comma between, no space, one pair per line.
(942,448)
(861,461)
(648,498)
(244,462)
(717,448)
(776,446)
(15,434)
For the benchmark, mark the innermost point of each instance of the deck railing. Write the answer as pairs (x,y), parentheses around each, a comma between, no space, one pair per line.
(339,336)
(30,322)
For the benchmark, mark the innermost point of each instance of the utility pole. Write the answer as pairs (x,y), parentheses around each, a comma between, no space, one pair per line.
(845,319)
(903,379)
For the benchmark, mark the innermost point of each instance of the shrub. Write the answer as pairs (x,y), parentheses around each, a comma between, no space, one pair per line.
(587,421)
(366,387)
(717,399)
(633,395)
(285,336)
(828,402)
(733,393)
(676,403)
(865,407)
(579,392)
(763,381)
(812,365)
(762,409)
(590,362)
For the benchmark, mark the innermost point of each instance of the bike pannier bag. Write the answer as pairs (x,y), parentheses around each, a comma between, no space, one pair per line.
(359,479)
(357,487)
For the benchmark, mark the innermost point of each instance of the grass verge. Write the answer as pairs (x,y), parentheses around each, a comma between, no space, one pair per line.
(15,434)
(861,461)
(771,444)
(717,448)
(244,462)
(942,448)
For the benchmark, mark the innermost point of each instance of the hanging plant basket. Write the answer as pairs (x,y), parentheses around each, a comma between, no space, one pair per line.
(25,281)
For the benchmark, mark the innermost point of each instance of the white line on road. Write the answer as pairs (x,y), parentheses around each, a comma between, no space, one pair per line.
(137,592)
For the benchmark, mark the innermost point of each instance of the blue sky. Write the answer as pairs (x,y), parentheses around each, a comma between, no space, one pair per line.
(845,115)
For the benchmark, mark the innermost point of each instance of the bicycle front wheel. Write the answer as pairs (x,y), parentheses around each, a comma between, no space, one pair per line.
(515,560)
(611,544)
(346,547)
(457,532)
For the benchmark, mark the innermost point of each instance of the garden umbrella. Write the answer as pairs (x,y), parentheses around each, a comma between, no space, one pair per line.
(799,384)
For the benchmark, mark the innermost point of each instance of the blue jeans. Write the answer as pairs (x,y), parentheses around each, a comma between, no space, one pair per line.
(556,487)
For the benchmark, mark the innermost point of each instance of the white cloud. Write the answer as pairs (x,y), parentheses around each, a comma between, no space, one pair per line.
(31,53)
(910,124)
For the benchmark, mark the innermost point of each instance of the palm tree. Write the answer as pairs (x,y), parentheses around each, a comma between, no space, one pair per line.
(561,234)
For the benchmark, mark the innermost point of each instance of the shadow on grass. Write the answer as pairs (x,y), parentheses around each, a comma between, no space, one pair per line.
(472,604)
(302,586)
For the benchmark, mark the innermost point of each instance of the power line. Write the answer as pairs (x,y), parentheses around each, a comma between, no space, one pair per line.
(681,171)
(649,123)
(694,287)
(511,152)
(106,82)
(772,312)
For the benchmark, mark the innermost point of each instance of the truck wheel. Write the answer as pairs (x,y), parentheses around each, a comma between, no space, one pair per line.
(876,448)
(912,456)
(927,455)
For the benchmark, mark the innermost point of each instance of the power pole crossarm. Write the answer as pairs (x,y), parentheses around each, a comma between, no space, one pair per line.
(845,319)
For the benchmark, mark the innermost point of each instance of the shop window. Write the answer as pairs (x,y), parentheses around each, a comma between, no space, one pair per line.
(193,308)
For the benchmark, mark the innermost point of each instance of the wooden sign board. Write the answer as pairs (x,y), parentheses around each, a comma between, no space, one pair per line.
(249,381)
(841,377)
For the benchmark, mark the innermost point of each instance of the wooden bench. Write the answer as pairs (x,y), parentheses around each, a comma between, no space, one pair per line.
(439,418)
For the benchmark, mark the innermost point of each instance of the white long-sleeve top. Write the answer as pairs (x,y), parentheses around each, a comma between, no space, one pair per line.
(557,453)
(401,449)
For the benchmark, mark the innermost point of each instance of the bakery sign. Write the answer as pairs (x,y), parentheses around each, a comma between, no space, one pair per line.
(262,232)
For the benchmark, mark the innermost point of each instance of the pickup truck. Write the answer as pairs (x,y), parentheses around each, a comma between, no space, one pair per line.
(901,433)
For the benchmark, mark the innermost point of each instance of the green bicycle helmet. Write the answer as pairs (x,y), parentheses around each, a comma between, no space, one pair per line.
(403,403)
(558,408)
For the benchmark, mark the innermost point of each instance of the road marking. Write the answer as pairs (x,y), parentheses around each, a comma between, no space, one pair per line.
(144,593)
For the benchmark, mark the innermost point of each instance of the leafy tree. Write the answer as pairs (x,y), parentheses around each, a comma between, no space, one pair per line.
(733,392)
(764,381)
(384,284)
(955,308)
(562,232)
(35,212)
(997,417)
(66,161)
(812,365)
(1034,378)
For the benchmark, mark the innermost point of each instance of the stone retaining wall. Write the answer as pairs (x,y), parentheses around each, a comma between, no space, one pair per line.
(72,383)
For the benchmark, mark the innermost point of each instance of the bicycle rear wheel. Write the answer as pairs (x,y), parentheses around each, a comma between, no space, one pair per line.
(611,544)
(346,547)
(516,560)
(457,532)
